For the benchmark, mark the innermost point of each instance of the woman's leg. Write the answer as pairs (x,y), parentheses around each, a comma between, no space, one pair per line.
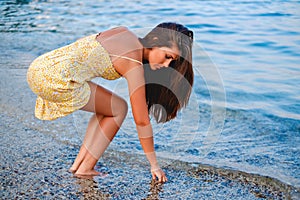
(110,111)
(83,151)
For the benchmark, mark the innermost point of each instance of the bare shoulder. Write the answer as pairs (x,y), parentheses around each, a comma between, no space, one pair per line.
(122,42)
(118,33)
(120,28)
(118,39)
(113,31)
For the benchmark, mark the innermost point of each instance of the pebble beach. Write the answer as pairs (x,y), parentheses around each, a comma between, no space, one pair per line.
(35,163)
(246,62)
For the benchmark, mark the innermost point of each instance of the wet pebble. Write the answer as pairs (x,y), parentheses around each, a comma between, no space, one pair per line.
(34,165)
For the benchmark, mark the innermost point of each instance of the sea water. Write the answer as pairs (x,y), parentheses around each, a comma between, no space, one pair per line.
(244,111)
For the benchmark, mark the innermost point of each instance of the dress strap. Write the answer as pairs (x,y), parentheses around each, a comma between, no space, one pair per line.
(125,57)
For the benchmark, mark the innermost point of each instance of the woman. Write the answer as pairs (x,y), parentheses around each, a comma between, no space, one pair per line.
(158,71)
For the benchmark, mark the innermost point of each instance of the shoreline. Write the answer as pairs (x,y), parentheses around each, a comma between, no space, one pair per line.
(35,161)
(38,166)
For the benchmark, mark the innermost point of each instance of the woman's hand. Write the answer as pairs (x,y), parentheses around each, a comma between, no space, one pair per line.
(159,174)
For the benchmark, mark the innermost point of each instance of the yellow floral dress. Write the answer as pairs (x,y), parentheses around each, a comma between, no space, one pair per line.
(59,78)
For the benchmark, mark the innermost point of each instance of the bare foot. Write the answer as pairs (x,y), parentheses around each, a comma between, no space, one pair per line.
(72,170)
(91,172)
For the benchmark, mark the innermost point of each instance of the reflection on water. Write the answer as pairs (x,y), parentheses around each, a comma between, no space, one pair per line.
(254,45)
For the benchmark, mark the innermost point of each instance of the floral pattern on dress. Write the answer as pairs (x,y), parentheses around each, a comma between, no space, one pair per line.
(59,78)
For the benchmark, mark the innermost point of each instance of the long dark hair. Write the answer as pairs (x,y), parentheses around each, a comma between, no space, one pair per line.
(169,89)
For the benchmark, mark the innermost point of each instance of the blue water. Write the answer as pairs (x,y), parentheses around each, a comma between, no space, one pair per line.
(244,111)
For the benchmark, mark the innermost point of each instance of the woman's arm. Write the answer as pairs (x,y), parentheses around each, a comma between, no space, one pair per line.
(129,46)
(136,85)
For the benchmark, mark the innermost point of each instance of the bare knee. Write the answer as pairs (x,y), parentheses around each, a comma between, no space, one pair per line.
(122,108)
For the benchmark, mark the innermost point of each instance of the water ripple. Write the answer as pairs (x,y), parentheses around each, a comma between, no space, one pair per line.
(254,44)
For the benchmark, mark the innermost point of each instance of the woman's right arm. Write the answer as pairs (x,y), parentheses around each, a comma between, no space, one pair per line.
(134,74)
(136,85)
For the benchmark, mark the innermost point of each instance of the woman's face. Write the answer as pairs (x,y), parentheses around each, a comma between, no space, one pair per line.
(162,56)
